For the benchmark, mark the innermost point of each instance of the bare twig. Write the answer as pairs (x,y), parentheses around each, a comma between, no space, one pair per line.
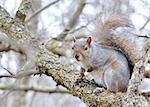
(145,24)
(141,36)
(31,88)
(72,21)
(6,76)
(7,70)
(83,26)
(40,10)
(20,74)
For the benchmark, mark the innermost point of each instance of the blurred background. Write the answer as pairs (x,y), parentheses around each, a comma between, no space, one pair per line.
(50,22)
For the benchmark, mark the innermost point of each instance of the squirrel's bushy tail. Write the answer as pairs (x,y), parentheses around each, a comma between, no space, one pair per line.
(105,36)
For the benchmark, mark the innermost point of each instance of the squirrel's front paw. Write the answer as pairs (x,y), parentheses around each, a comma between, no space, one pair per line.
(98,90)
(80,79)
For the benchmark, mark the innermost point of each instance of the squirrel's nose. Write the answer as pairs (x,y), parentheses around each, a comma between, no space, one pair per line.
(77,56)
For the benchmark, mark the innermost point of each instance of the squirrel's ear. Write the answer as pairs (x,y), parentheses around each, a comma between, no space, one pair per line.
(89,40)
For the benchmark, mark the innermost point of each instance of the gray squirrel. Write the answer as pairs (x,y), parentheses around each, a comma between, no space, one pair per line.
(106,56)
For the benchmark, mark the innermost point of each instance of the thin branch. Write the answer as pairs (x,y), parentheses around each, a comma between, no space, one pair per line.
(40,10)
(83,26)
(141,36)
(144,36)
(7,70)
(148,20)
(6,76)
(20,74)
(72,21)
(31,88)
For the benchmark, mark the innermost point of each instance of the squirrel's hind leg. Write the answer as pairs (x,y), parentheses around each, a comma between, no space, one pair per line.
(114,82)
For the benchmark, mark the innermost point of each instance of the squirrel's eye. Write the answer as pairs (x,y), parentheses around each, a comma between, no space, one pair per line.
(85,48)
(73,47)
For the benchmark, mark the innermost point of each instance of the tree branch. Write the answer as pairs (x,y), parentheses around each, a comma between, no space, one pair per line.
(31,88)
(40,10)
(20,74)
(133,95)
(53,45)
(72,21)
(145,24)
(7,70)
